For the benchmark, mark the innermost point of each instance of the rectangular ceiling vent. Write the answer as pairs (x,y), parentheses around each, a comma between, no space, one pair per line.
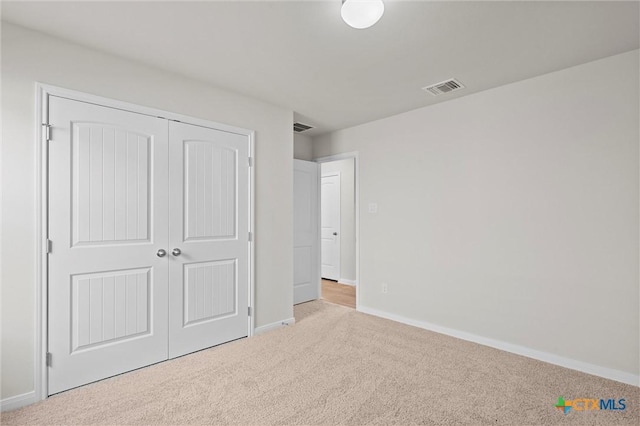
(299,127)
(444,87)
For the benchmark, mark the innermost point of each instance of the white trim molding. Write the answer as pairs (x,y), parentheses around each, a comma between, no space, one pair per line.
(18,401)
(252,231)
(596,370)
(347,282)
(274,326)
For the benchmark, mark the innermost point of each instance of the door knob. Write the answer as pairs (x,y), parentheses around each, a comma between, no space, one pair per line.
(335,233)
(176,252)
(161,253)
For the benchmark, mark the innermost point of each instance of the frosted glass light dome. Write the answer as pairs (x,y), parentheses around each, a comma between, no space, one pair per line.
(361,14)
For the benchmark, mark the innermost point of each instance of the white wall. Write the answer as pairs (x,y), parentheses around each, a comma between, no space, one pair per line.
(346,168)
(510,214)
(28,57)
(302,148)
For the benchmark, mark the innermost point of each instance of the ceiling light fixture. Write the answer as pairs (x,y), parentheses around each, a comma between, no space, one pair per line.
(361,14)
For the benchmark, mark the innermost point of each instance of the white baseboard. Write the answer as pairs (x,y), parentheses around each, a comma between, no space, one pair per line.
(596,370)
(274,326)
(347,282)
(18,401)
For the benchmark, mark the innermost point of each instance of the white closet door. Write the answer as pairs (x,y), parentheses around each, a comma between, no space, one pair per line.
(107,220)
(306,275)
(209,241)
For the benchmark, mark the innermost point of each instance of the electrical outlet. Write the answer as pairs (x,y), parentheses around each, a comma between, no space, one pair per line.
(373,208)
(385,288)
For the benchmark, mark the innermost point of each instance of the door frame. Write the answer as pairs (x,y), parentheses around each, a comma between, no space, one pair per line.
(356,160)
(43,91)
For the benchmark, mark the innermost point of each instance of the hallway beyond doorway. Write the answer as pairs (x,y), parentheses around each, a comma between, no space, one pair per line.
(340,294)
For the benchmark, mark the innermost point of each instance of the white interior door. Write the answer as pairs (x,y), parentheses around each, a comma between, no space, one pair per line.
(209,237)
(149,223)
(306,276)
(330,230)
(107,220)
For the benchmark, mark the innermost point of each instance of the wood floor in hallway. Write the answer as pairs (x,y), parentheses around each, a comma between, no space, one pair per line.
(340,294)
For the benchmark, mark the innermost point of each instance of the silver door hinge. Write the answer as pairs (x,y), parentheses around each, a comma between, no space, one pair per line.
(49,247)
(49,356)
(47,131)
(250,161)
(250,236)
(249,310)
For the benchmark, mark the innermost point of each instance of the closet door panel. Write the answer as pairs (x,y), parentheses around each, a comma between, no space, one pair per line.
(209,224)
(108,217)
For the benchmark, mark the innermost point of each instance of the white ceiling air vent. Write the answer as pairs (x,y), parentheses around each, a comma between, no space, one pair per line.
(446,86)
(299,127)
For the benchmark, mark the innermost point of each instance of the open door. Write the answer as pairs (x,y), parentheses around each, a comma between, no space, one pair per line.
(306,253)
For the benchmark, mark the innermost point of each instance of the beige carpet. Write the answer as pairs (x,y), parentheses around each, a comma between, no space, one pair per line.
(337,366)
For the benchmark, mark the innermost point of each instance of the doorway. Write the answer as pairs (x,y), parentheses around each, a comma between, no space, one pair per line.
(340,234)
(338,224)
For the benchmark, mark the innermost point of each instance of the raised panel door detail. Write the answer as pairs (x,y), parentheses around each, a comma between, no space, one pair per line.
(302,206)
(328,215)
(109,306)
(209,191)
(209,290)
(302,265)
(111,194)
